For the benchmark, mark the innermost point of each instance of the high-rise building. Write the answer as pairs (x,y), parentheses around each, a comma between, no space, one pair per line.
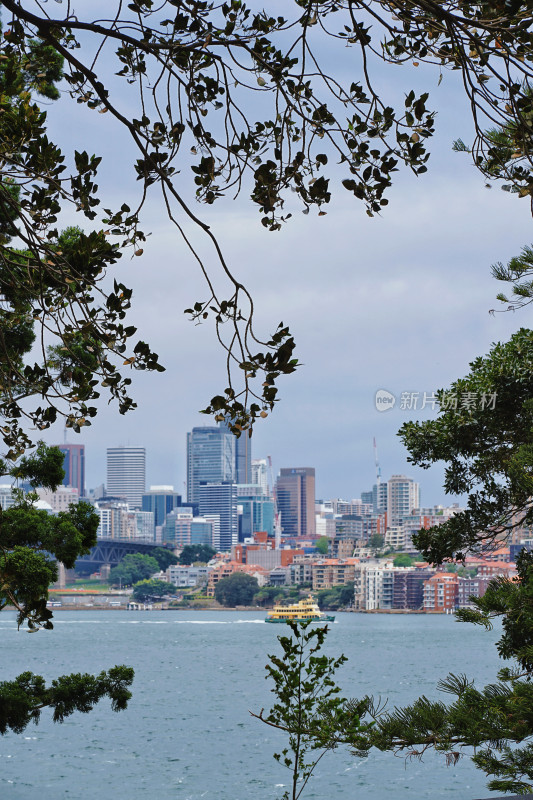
(260,473)
(403,496)
(74,466)
(243,459)
(210,458)
(126,474)
(295,494)
(397,497)
(243,455)
(160,500)
(256,511)
(221,498)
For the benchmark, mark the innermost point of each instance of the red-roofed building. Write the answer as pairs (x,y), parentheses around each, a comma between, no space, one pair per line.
(440,593)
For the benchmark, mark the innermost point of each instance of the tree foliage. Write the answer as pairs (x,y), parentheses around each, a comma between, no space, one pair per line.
(23,699)
(31,543)
(51,280)
(322,545)
(376,541)
(236,590)
(133,568)
(483,434)
(268,595)
(237,99)
(308,704)
(192,553)
(494,724)
(164,557)
(403,560)
(146,590)
(336,597)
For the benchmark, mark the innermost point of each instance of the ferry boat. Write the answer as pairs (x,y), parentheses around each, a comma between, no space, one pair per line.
(304,611)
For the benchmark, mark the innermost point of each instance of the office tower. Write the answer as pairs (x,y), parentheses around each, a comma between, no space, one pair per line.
(74,466)
(160,500)
(243,459)
(210,458)
(126,470)
(260,473)
(243,455)
(295,493)
(221,498)
(256,511)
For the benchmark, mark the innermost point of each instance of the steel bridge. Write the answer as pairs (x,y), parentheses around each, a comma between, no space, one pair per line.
(111,551)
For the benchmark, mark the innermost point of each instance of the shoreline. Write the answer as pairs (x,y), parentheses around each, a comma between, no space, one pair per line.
(245,609)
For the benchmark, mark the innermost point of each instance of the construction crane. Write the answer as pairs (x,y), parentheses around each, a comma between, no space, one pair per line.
(277,514)
(378,468)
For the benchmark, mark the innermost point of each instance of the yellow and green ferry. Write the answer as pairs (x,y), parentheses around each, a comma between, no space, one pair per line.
(304,611)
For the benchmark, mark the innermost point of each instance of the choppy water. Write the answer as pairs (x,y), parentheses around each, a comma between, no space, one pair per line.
(187,733)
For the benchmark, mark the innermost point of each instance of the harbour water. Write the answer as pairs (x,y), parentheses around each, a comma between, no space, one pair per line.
(187,733)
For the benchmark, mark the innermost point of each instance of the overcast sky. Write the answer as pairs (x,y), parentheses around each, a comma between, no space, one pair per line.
(398,303)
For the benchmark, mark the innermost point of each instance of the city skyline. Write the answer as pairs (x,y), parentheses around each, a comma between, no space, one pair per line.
(152,485)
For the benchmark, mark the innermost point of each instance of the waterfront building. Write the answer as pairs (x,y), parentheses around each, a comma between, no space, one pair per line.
(295,494)
(468,587)
(160,500)
(227,568)
(373,586)
(301,570)
(280,576)
(440,593)
(126,474)
(185,577)
(408,588)
(330,572)
(74,466)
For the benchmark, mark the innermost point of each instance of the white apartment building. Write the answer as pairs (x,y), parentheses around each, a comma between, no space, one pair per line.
(187,577)
(61,499)
(397,537)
